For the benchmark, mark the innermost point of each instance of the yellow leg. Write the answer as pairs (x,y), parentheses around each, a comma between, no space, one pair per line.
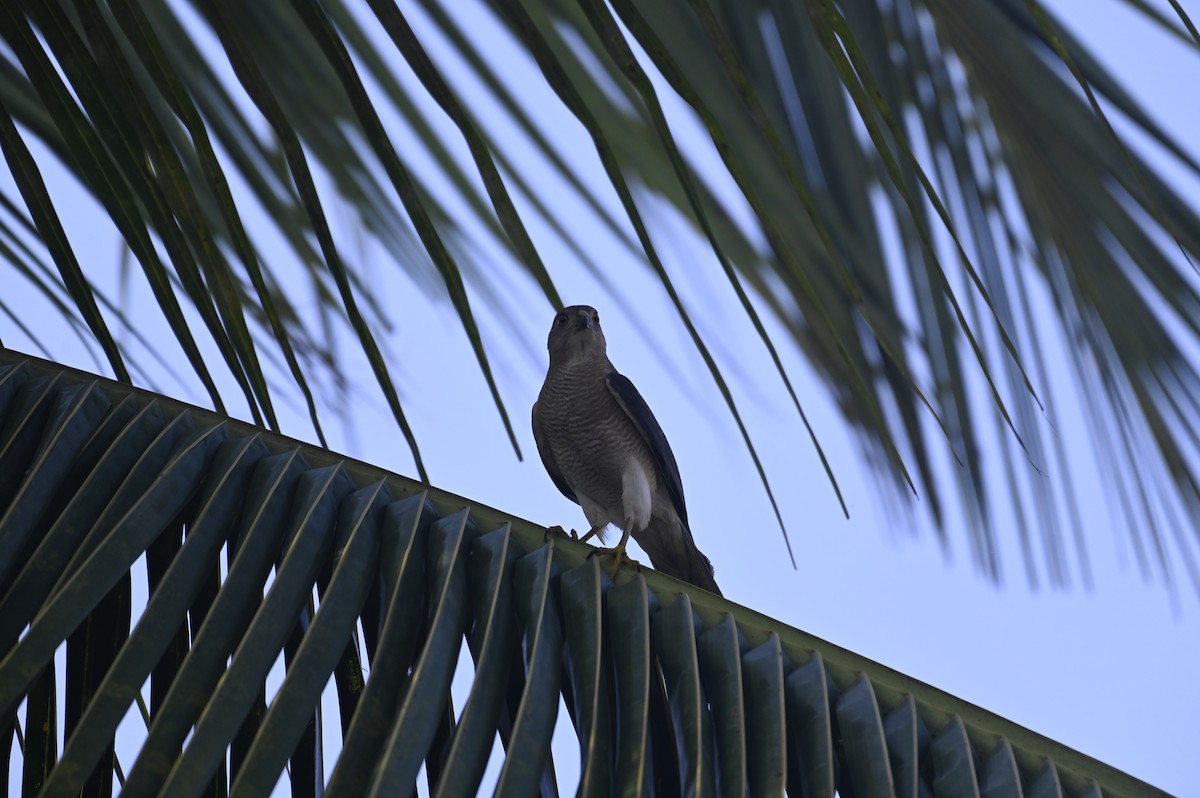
(591,533)
(618,553)
(573,535)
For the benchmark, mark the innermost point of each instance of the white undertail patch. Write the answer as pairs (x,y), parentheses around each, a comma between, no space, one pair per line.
(635,494)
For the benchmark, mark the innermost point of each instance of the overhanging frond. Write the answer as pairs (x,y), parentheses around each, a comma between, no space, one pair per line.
(923,178)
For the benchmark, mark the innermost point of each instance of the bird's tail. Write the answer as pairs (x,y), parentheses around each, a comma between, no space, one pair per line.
(673,551)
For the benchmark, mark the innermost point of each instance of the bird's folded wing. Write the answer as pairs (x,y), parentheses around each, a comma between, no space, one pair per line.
(638,411)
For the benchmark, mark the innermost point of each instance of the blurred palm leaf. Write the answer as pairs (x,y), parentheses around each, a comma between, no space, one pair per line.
(921,176)
(256,551)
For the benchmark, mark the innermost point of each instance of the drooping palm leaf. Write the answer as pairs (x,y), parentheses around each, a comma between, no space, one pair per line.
(256,548)
(961,135)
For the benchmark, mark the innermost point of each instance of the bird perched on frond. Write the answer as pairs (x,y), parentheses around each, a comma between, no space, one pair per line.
(607,453)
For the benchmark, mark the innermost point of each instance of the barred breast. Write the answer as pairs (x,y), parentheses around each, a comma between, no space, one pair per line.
(589,433)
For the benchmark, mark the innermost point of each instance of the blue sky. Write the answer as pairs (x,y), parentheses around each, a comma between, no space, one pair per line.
(1110,672)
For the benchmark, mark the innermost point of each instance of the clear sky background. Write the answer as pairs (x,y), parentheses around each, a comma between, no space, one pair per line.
(1109,672)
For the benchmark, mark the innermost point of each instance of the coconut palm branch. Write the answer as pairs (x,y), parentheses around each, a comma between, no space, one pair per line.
(236,610)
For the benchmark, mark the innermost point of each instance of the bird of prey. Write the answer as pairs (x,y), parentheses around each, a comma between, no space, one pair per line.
(606,452)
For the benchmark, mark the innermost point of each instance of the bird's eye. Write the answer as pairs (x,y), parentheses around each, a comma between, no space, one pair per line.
(560,319)
(595,317)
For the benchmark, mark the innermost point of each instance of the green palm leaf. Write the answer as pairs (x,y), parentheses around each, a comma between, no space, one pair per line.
(258,549)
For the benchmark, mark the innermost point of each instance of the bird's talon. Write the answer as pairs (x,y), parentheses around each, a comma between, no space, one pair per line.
(620,557)
(555,531)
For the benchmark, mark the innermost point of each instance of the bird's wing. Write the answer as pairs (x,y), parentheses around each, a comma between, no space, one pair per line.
(543,447)
(638,411)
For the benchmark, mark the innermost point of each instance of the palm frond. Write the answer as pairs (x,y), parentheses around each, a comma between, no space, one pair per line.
(256,550)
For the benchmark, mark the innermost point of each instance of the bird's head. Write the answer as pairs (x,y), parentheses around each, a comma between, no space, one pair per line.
(575,334)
